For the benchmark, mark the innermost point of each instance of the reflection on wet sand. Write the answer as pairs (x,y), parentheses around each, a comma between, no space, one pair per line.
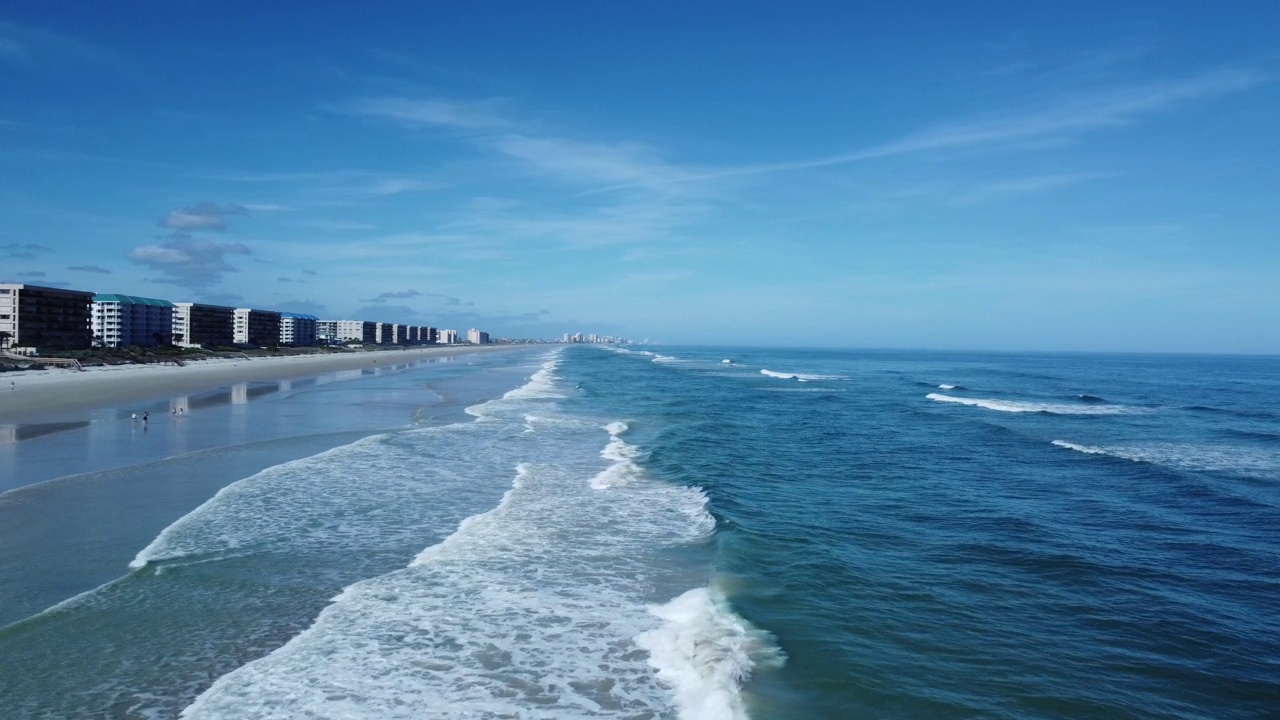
(26,431)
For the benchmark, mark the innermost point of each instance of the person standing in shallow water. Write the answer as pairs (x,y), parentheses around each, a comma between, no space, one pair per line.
(144,417)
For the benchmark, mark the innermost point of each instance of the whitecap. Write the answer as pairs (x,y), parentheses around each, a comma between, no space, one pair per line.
(1020,406)
(1228,459)
(802,377)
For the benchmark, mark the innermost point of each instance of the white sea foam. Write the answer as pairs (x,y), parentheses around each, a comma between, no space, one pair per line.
(1020,406)
(1080,448)
(541,384)
(946,387)
(802,377)
(726,361)
(624,467)
(333,498)
(1235,460)
(705,651)
(529,610)
(661,359)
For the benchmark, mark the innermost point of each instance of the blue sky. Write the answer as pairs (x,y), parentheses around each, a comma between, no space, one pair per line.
(1091,176)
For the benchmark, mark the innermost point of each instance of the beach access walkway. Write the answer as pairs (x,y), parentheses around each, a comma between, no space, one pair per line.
(61,362)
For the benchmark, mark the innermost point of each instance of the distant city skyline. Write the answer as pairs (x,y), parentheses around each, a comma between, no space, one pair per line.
(1004,176)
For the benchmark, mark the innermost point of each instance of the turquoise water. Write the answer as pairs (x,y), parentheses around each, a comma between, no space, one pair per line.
(789,534)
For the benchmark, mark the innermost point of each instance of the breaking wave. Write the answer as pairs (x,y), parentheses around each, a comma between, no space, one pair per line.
(1232,460)
(802,377)
(1020,406)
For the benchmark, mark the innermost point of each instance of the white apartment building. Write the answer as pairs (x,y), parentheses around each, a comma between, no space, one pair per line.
(125,320)
(476,337)
(361,331)
(297,329)
(448,337)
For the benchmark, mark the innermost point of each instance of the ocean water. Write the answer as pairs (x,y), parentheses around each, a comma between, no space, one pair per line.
(715,534)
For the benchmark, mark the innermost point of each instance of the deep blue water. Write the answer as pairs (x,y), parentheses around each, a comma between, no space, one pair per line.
(651,533)
(1056,536)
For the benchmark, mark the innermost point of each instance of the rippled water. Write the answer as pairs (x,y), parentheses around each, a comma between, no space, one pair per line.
(715,534)
(964,535)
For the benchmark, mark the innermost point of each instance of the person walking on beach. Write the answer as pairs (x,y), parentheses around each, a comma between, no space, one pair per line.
(144,417)
(134,417)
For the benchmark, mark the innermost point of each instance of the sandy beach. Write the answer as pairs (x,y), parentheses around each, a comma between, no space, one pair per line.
(42,394)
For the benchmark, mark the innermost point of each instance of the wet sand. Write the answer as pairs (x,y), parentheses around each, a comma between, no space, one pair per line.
(45,394)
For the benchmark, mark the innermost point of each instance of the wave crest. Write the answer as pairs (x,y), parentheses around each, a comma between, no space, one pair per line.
(1022,406)
(802,377)
(705,651)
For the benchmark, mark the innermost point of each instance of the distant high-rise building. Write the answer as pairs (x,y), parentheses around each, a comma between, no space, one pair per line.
(476,337)
(44,317)
(124,320)
(448,337)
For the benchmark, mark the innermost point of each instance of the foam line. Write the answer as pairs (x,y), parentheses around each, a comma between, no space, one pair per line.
(802,377)
(1019,406)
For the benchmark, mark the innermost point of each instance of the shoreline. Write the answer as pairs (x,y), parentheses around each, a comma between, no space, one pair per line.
(46,394)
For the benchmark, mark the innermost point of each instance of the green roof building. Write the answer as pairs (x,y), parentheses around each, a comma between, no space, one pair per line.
(125,320)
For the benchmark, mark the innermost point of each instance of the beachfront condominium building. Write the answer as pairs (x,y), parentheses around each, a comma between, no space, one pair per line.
(448,337)
(383,333)
(430,335)
(200,325)
(475,337)
(44,318)
(260,328)
(297,329)
(128,320)
(361,331)
(326,331)
(422,335)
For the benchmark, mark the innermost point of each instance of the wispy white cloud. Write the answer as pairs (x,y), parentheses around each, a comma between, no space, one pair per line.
(1068,119)
(562,159)
(593,163)
(428,112)
(31,48)
(202,216)
(982,193)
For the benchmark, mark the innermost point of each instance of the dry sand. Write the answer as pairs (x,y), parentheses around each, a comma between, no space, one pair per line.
(45,393)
